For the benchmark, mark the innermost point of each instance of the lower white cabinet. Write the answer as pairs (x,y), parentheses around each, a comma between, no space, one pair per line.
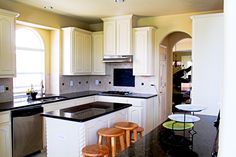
(144,112)
(5,135)
(136,115)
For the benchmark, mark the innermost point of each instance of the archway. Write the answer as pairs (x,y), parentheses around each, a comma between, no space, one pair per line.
(166,71)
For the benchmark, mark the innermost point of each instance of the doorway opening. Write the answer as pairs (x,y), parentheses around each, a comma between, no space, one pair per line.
(175,55)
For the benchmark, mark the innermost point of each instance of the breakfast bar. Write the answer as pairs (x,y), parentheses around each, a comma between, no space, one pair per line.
(69,130)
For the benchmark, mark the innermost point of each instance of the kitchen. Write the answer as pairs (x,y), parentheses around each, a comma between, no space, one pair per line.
(65,84)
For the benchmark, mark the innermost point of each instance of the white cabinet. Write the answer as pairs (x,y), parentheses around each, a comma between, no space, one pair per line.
(144,112)
(7,44)
(118,35)
(136,115)
(144,51)
(77,51)
(98,66)
(207,56)
(5,134)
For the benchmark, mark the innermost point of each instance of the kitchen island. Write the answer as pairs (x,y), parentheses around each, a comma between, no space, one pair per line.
(153,144)
(69,130)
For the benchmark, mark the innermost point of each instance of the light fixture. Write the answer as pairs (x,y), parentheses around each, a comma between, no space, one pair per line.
(119,1)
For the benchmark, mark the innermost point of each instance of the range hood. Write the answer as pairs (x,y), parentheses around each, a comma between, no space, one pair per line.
(118,58)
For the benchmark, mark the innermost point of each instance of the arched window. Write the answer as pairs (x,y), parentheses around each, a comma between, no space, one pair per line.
(30,61)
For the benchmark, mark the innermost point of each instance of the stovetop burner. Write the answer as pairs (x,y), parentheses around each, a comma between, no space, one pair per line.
(116,92)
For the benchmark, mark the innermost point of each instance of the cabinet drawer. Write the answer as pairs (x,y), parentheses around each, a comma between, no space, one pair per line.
(5,117)
(111,99)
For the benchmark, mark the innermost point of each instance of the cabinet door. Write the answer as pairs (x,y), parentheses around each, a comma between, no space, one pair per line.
(87,52)
(140,52)
(110,37)
(136,115)
(77,52)
(124,38)
(98,67)
(5,139)
(7,46)
(144,51)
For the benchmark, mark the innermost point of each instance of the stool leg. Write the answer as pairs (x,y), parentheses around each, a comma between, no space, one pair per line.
(122,143)
(99,139)
(127,138)
(108,142)
(113,146)
(135,135)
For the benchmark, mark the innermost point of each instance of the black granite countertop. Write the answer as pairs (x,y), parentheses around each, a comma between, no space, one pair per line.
(154,145)
(22,102)
(86,112)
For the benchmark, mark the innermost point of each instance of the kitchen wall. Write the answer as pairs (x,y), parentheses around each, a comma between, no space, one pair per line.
(8,94)
(82,83)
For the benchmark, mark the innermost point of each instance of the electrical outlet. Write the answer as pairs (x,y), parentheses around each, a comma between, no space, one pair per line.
(2,88)
(96,82)
(152,84)
(71,83)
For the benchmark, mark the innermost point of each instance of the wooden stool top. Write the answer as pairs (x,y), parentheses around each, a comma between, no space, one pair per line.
(95,150)
(126,125)
(110,132)
(139,129)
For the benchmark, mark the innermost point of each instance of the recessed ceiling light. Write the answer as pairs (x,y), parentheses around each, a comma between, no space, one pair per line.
(119,1)
(48,7)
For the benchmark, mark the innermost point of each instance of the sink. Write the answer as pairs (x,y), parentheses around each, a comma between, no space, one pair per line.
(51,98)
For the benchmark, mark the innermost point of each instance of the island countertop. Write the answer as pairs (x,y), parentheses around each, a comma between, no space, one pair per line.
(86,112)
(151,145)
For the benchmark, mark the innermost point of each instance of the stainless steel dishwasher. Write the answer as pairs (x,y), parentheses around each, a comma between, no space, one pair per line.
(27,131)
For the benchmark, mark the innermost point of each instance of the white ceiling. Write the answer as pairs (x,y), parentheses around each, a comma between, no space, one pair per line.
(91,11)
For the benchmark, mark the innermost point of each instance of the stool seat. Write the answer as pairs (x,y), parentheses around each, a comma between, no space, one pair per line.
(126,125)
(110,132)
(139,129)
(95,150)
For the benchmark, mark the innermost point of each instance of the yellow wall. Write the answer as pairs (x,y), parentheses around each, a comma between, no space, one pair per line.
(39,16)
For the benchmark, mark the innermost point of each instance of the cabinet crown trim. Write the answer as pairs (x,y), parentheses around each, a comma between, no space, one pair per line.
(9,13)
(76,29)
(117,17)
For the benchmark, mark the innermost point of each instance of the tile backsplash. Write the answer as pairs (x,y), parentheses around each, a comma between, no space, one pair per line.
(8,87)
(103,83)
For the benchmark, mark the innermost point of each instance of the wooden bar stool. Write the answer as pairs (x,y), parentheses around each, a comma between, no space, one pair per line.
(128,127)
(111,134)
(95,150)
(139,131)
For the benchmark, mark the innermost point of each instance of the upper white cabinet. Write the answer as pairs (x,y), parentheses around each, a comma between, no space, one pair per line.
(208,58)
(118,35)
(144,51)
(77,51)
(98,66)
(7,44)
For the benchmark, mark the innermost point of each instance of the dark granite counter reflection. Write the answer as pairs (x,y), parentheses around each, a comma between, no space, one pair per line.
(86,112)
(151,145)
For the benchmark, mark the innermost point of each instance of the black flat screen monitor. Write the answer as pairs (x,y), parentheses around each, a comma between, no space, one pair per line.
(124,77)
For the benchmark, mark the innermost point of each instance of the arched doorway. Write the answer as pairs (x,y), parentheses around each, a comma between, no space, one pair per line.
(166,70)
